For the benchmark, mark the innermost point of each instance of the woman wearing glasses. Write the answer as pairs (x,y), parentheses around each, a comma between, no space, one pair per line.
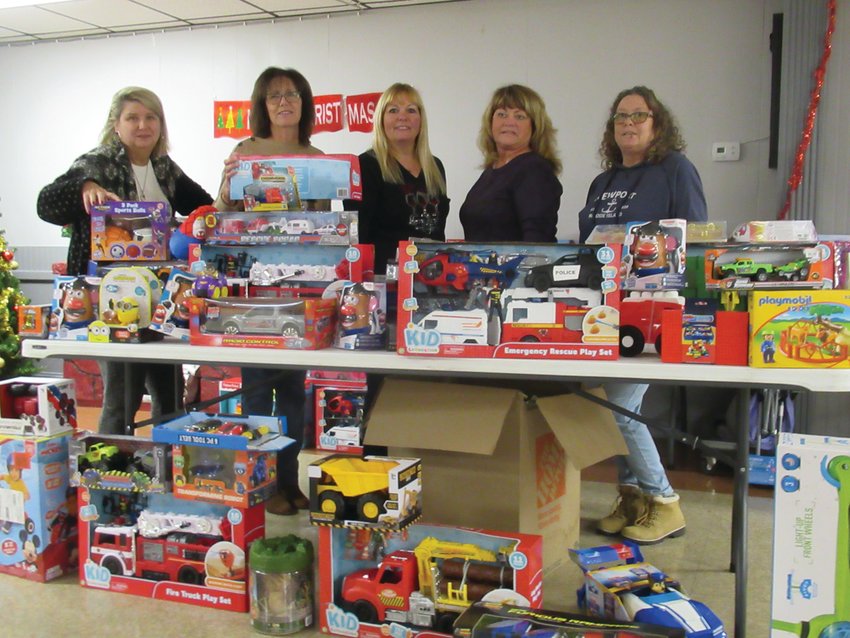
(646,178)
(281,121)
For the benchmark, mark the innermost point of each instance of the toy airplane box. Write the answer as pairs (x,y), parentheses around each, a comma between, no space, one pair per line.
(156,546)
(799,329)
(811,536)
(74,307)
(38,511)
(417,582)
(654,255)
(118,462)
(130,231)
(771,266)
(325,228)
(284,182)
(521,301)
(37,406)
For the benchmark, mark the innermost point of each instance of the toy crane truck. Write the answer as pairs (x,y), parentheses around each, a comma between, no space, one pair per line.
(429,586)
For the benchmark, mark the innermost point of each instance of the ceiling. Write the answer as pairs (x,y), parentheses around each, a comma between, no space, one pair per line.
(77,19)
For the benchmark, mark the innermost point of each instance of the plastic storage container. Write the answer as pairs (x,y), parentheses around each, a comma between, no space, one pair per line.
(280,582)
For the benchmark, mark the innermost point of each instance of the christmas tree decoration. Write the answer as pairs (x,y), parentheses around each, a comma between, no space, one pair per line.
(11,362)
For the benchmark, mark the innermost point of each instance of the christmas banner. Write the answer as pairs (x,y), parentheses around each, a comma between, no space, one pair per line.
(230,119)
(360,109)
(328,113)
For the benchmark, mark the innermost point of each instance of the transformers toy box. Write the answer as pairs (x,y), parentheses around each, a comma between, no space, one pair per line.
(283,182)
(799,329)
(417,582)
(156,546)
(519,460)
(135,231)
(37,406)
(811,537)
(38,511)
(521,301)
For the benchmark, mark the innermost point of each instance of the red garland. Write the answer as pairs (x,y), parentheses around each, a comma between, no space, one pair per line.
(814,100)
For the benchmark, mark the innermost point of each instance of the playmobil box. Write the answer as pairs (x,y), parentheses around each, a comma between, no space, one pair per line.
(33,321)
(130,231)
(811,536)
(521,301)
(317,227)
(157,546)
(770,266)
(533,449)
(799,329)
(284,182)
(373,492)
(38,512)
(340,419)
(171,314)
(417,582)
(37,406)
(74,307)
(119,462)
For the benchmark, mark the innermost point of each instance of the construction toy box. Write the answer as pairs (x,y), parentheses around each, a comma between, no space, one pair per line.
(37,406)
(259,322)
(284,182)
(811,536)
(654,255)
(130,231)
(417,582)
(74,307)
(373,492)
(799,329)
(38,511)
(499,620)
(340,420)
(156,546)
(770,266)
(521,301)
(316,227)
(119,462)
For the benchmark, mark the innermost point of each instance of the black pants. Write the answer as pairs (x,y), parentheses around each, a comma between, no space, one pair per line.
(161,380)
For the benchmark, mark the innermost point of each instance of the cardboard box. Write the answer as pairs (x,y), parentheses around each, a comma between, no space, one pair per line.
(283,182)
(325,228)
(811,542)
(38,528)
(134,231)
(37,406)
(495,459)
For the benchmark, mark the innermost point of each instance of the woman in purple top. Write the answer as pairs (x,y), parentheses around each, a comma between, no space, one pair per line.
(518,195)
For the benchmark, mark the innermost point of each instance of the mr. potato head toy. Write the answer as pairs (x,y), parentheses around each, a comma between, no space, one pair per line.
(654,248)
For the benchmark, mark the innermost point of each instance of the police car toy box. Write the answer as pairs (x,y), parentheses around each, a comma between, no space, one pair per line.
(130,231)
(522,301)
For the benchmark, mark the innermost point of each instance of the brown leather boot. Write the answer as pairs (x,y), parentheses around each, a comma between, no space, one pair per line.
(662,519)
(296,497)
(629,506)
(279,504)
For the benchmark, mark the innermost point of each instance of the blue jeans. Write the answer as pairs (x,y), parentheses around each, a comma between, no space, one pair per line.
(642,467)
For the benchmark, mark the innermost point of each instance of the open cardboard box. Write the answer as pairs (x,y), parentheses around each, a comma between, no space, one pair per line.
(493,458)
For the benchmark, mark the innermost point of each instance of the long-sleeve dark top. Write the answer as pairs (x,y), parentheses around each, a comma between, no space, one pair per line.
(61,202)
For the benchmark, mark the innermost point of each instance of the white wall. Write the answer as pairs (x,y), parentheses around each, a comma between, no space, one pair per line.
(708,60)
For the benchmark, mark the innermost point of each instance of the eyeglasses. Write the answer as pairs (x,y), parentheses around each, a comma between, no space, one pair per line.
(289,96)
(638,117)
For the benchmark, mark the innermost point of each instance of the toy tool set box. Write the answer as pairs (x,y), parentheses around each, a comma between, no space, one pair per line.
(800,329)
(522,301)
(373,585)
(654,255)
(37,406)
(118,462)
(811,537)
(156,546)
(38,511)
(325,228)
(283,182)
(135,231)
(770,266)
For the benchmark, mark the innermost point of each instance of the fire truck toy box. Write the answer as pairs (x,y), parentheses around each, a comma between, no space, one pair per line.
(770,266)
(325,228)
(134,231)
(498,620)
(508,300)
(799,329)
(257,322)
(121,463)
(340,422)
(224,459)
(156,546)
(171,314)
(811,536)
(284,182)
(38,511)
(476,433)
(373,492)
(34,321)
(417,582)
(37,406)
(74,307)
(654,255)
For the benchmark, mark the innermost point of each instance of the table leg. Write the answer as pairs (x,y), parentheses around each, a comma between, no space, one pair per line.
(129,384)
(739,513)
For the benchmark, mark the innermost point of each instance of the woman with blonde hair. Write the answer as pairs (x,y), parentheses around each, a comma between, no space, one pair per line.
(518,195)
(404,185)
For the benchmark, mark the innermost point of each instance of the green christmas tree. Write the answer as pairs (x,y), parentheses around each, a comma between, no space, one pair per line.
(12,364)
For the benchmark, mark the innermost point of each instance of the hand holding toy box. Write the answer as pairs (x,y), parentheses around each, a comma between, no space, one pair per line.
(134,231)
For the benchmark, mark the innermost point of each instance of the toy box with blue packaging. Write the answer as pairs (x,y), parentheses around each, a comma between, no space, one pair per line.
(37,406)
(134,231)
(654,255)
(38,511)
(171,314)
(799,329)
(811,536)
(74,307)
(417,582)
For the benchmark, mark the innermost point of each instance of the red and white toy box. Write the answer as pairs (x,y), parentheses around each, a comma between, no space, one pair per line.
(340,422)
(159,547)
(417,582)
(325,228)
(37,406)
